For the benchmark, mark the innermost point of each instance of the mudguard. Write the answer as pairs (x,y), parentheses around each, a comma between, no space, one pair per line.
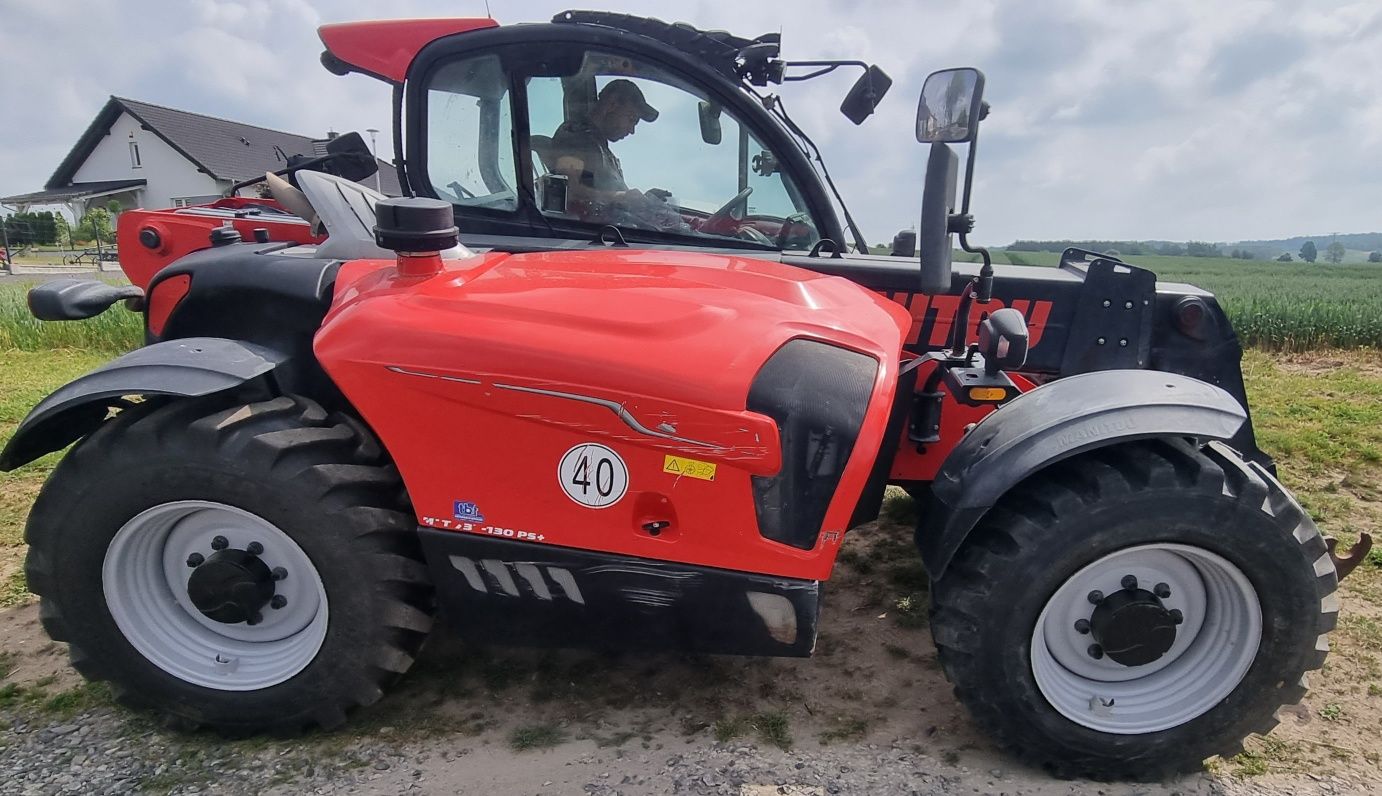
(188,367)
(1056,421)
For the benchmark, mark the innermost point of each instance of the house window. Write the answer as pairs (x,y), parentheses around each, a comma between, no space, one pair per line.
(134,155)
(193,201)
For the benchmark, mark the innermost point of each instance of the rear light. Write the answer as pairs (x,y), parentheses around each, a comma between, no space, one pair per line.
(1189,314)
(164,298)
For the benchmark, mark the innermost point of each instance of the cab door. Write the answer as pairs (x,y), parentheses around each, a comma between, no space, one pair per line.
(490,113)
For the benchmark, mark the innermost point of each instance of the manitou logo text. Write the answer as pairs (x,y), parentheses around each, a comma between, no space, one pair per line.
(932,317)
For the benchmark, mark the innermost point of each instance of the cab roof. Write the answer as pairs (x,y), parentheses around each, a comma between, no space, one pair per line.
(384,49)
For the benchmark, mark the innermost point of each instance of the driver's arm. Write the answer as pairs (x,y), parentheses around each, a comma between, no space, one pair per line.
(581,181)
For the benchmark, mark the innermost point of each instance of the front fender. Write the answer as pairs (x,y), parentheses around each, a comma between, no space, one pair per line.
(188,367)
(1056,421)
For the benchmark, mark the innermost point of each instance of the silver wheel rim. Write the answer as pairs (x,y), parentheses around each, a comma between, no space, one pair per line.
(145,575)
(1213,650)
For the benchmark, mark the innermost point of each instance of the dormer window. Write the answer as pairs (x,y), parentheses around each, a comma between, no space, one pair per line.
(134,155)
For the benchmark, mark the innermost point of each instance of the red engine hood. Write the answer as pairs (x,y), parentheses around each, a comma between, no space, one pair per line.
(688,326)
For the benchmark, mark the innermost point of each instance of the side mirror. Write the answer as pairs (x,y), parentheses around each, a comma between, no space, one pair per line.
(950,107)
(350,157)
(863,98)
(937,203)
(709,114)
(1003,341)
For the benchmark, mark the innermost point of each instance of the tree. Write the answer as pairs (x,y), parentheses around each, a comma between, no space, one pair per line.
(1375,257)
(95,224)
(1308,252)
(1284,258)
(28,229)
(1197,248)
(63,230)
(1334,252)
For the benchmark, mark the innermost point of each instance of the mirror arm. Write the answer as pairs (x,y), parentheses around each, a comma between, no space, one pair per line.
(985,286)
(830,66)
(306,164)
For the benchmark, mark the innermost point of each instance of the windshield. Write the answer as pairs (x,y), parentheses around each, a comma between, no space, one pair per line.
(613,142)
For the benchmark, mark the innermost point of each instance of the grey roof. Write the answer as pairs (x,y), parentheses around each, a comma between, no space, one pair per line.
(224,149)
(73,191)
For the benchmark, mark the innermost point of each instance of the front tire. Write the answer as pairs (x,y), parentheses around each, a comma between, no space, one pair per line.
(243,567)
(1210,590)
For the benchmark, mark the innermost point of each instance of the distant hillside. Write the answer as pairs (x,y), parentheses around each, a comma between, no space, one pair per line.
(1354,241)
(1357,244)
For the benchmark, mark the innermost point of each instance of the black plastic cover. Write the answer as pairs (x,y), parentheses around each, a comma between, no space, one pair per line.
(189,367)
(77,299)
(500,590)
(1054,422)
(818,394)
(718,49)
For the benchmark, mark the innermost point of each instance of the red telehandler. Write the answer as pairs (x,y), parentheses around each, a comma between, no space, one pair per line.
(568,411)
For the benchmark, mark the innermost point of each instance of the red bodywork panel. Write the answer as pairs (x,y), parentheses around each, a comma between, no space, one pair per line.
(481,378)
(385,48)
(915,462)
(181,231)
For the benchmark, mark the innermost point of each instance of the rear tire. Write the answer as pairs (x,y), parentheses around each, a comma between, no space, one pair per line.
(153,496)
(1248,566)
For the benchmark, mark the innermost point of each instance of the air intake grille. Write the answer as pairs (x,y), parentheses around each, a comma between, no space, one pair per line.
(818,395)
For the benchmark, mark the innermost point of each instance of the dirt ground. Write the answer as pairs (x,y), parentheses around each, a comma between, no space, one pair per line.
(871,713)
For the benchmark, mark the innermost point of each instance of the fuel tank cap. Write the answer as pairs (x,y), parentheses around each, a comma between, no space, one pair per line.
(415,224)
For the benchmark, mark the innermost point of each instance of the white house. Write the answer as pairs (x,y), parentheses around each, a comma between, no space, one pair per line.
(146,155)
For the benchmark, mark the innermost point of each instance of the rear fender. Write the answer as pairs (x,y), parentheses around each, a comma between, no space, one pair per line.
(1057,421)
(188,367)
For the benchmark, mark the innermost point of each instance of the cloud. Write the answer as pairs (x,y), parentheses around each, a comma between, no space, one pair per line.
(1179,119)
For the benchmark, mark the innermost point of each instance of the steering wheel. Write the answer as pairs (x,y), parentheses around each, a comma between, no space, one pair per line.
(723,219)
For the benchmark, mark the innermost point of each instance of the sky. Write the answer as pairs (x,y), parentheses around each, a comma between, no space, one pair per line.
(1111,119)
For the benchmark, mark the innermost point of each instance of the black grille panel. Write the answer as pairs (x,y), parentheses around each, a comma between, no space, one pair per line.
(818,395)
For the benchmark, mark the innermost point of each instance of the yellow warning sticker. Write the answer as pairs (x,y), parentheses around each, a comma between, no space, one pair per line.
(690,468)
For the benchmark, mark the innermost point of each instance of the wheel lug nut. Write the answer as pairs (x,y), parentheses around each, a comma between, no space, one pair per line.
(254,548)
(1095,651)
(1176,616)
(1161,590)
(1130,582)
(278,602)
(219,543)
(278,573)
(255,619)
(1096,596)
(195,560)
(1082,626)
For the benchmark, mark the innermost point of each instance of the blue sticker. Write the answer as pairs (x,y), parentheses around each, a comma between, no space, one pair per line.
(465,510)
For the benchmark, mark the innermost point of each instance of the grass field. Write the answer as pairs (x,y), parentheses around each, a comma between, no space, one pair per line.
(1282,306)
(112,332)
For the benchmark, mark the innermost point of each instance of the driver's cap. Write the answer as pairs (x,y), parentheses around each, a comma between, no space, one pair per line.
(626,91)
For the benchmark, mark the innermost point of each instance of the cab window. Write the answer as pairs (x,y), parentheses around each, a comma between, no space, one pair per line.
(624,143)
(469,133)
(614,141)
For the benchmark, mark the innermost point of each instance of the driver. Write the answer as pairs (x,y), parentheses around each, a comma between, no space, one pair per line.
(581,146)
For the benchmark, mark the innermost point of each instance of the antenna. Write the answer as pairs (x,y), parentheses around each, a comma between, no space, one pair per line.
(487,11)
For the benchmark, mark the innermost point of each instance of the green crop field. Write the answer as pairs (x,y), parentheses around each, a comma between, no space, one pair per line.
(1283,306)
